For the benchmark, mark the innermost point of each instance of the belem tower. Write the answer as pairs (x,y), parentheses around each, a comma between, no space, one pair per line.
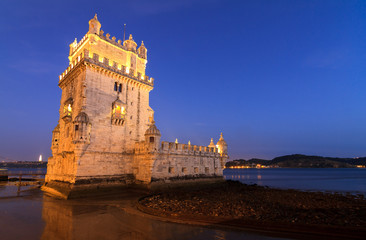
(106,134)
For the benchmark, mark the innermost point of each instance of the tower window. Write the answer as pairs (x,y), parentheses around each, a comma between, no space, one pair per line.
(120,88)
(115,86)
(151,139)
(67,109)
(76,127)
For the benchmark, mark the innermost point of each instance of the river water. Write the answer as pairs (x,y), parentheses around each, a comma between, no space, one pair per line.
(33,215)
(344,180)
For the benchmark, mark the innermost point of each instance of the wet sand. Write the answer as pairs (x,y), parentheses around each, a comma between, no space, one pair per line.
(34,215)
(299,214)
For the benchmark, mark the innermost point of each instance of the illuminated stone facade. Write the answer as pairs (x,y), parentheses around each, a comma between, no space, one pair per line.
(106,135)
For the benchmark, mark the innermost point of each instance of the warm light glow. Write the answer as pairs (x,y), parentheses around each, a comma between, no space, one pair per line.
(118,111)
(127,70)
(68,109)
(142,77)
(218,149)
(40,158)
(100,59)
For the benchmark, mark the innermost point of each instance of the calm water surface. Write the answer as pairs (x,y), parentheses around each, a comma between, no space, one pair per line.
(34,215)
(351,180)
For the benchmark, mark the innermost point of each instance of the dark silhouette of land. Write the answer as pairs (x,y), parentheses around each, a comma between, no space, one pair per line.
(301,161)
(23,164)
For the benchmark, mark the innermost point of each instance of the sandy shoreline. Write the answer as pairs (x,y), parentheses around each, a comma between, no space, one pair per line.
(249,207)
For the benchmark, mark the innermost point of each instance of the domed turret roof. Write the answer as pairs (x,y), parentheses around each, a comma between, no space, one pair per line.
(94,25)
(130,44)
(82,117)
(152,130)
(212,144)
(221,141)
(94,19)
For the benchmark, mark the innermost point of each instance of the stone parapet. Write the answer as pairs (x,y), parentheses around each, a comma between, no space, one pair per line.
(188,149)
(104,63)
(178,148)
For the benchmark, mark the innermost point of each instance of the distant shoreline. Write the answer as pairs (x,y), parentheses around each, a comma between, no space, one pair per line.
(23,164)
(299,161)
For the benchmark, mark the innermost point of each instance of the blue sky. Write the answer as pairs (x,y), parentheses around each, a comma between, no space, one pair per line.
(276,77)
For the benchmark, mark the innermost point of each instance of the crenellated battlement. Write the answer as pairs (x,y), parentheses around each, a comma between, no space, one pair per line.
(104,63)
(179,148)
(74,47)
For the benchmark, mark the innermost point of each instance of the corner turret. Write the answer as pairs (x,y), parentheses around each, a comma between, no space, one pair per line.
(212,144)
(130,44)
(142,51)
(222,145)
(94,25)
(152,137)
(55,139)
(81,128)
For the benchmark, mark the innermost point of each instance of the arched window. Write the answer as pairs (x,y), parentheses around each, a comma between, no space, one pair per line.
(115,86)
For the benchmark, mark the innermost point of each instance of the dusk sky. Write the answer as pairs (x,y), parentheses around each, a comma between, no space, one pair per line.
(276,77)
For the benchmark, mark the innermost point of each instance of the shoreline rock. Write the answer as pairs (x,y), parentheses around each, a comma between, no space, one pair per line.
(235,204)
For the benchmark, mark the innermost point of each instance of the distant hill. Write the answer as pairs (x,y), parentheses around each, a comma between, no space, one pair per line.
(301,161)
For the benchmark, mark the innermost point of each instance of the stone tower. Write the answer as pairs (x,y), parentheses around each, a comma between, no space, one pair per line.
(104,110)
(106,135)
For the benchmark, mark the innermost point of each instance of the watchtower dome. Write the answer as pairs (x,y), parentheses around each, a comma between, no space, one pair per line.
(94,25)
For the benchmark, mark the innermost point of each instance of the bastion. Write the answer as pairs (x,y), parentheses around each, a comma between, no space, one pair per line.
(106,137)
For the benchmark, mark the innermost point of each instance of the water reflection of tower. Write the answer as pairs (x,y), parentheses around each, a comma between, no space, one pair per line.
(92,220)
(66,220)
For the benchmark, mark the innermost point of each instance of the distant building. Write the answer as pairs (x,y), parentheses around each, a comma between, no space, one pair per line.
(106,135)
